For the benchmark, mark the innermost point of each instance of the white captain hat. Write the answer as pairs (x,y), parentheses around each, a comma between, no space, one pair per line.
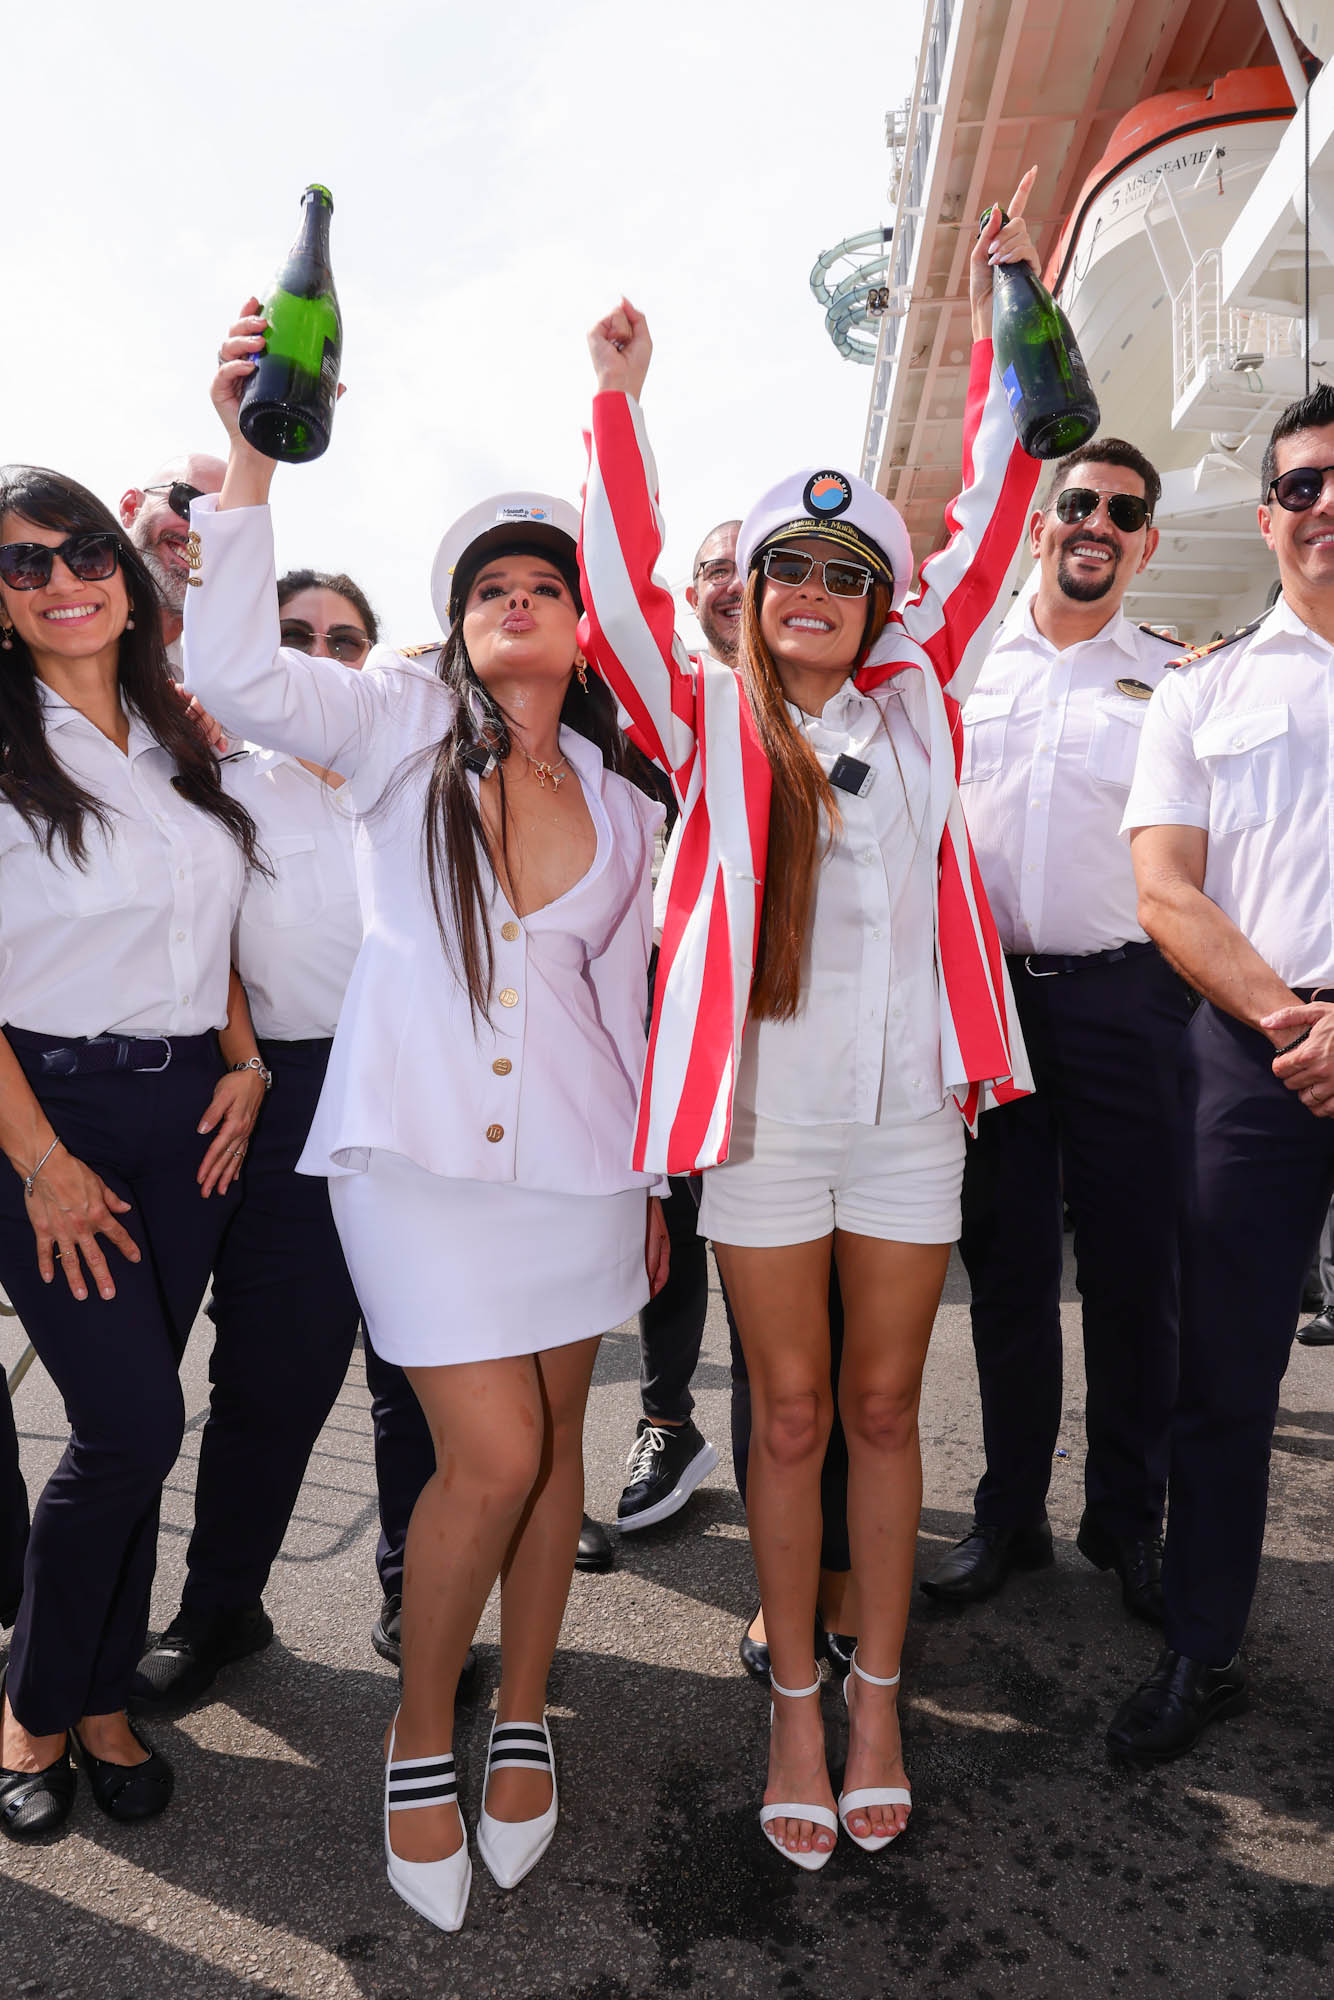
(506,521)
(839,507)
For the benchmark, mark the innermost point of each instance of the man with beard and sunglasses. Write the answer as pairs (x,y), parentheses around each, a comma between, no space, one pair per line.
(1050,738)
(157,519)
(1229,818)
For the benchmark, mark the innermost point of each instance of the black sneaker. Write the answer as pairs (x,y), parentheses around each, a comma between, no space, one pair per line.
(387,1639)
(186,1659)
(666,1464)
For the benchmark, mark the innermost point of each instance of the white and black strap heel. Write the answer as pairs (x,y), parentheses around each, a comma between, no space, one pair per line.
(437,1890)
(510,1847)
(870,1795)
(818,1815)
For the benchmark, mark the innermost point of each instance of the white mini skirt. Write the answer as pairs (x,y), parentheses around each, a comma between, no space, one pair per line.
(783,1183)
(453,1270)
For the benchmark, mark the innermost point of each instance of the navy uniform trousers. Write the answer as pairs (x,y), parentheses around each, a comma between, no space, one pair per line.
(93,1544)
(404,1461)
(1259,1175)
(1105,1044)
(13,1512)
(671,1326)
(286,1318)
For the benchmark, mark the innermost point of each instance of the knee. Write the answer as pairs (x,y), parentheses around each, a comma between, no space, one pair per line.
(879,1419)
(133,1450)
(794,1425)
(500,1476)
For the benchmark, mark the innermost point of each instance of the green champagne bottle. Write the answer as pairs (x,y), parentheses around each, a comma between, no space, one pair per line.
(287,410)
(1051,398)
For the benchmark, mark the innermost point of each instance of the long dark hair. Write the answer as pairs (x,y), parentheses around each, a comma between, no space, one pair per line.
(458,859)
(296,580)
(32,777)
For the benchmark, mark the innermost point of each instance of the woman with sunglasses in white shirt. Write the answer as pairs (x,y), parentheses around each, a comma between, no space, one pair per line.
(830,992)
(129,1083)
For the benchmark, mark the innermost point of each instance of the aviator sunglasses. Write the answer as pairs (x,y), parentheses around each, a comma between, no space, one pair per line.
(1299,489)
(90,557)
(840,578)
(179,495)
(1125,511)
(344,642)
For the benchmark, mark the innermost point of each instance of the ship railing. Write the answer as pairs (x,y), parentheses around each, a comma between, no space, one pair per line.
(912,136)
(1207,335)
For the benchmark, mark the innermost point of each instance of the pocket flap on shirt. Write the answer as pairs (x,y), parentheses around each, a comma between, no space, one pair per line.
(981,707)
(288,843)
(1230,735)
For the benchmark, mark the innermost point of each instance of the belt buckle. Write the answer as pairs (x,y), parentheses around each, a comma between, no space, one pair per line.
(58,1062)
(155,1069)
(1028,968)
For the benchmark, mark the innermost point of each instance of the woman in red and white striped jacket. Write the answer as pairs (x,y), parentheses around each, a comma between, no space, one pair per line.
(831,994)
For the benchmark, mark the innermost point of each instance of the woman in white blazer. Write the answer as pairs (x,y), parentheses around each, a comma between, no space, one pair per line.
(477,1118)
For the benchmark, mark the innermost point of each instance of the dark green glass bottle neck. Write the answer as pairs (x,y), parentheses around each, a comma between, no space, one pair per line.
(313,241)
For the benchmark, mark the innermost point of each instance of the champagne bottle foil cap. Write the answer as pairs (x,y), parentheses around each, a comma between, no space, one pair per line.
(840,508)
(326,198)
(505,522)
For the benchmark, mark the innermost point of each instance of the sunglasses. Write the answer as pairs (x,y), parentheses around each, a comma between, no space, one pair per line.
(1124,510)
(718,571)
(1299,489)
(179,496)
(342,642)
(841,579)
(91,558)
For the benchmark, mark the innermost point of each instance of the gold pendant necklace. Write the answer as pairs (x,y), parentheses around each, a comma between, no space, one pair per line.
(557,772)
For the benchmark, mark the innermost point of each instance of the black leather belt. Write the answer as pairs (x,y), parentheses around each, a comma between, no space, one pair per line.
(91,1055)
(1046,964)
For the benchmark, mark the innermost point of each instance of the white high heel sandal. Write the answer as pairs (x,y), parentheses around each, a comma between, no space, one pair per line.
(870,1795)
(437,1890)
(510,1847)
(818,1815)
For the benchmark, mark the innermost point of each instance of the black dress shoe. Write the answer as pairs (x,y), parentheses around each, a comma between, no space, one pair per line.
(1139,1564)
(387,1639)
(35,1803)
(186,1659)
(1169,1713)
(1318,1332)
(128,1791)
(977,1566)
(754,1656)
(594,1547)
(755,1652)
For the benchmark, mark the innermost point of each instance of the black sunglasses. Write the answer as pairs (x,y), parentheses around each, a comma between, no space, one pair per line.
(344,642)
(90,557)
(1299,489)
(1124,510)
(179,496)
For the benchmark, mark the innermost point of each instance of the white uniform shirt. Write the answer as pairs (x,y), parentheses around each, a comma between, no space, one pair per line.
(541,1092)
(865,1044)
(296,935)
(137,941)
(1049,747)
(1241,743)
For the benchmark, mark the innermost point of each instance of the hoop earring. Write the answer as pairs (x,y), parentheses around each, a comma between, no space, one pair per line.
(581,671)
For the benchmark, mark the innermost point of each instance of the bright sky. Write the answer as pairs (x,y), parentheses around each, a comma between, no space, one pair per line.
(500,175)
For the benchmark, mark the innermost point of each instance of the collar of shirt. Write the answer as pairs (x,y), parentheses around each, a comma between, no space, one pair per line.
(1118,632)
(57,713)
(1283,624)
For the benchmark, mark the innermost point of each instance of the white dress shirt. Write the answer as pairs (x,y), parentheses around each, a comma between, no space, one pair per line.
(864,1046)
(1049,743)
(542,1091)
(137,941)
(1241,744)
(298,933)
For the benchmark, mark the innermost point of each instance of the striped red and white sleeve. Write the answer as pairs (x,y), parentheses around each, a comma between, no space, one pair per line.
(628,630)
(957,590)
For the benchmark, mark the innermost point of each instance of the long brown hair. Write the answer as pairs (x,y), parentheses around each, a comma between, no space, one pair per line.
(803,811)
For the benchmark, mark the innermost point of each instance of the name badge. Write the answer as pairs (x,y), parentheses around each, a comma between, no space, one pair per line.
(1137,690)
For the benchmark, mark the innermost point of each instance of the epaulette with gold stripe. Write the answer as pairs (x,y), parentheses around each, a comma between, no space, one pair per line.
(1194,653)
(416,652)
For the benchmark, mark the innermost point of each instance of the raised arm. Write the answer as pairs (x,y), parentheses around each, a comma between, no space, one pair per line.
(629,624)
(234,659)
(951,614)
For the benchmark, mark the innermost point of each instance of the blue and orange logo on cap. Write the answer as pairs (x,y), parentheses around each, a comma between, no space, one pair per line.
(827,494)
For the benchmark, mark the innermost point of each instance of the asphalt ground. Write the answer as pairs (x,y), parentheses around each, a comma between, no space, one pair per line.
(1031,1868)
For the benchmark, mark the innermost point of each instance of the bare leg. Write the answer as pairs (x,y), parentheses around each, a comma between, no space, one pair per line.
(535,1579)
(486,1420)
(890,1295)
(20,1750)
(780,1298)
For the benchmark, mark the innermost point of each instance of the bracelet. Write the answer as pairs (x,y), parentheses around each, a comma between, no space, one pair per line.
(30,1180)
(256,1063)
(1296,1043)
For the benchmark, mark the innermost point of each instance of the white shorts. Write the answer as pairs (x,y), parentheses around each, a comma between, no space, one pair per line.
(795,1183)
(451,1270)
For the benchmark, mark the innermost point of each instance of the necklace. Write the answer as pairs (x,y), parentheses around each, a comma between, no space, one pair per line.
(557,772)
